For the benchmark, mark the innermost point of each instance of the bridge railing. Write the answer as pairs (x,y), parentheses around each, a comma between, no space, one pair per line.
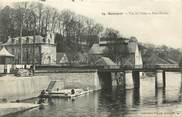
(125,67)
(161,66)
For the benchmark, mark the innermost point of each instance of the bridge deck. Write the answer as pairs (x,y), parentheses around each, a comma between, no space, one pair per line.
(115,68)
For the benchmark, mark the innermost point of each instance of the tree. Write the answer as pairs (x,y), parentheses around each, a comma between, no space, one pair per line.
(5,23)
(111,33)
(113,50)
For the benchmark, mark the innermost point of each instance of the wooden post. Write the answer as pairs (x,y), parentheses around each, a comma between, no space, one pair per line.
(164,79)
(34,33)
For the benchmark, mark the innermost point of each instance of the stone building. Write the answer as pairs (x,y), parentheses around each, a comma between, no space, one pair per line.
(128,51)
(44,49)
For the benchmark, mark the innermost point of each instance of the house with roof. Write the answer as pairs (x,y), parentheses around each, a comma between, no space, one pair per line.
(154,60)
(24,47)
(129,53)
(62,58)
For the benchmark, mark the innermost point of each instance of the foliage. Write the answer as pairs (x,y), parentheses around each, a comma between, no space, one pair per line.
(113,52)
(25,18)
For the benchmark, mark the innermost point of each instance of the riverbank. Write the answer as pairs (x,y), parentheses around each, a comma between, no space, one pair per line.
(10,108)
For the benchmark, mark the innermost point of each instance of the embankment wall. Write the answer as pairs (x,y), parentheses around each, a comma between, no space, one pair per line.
(75,80)
(17,88)
(14,88)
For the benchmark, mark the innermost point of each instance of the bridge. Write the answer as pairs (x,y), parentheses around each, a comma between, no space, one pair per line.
(130,76)
(127,76)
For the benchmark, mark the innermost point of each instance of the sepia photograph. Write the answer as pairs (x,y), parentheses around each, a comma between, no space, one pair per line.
(90,58)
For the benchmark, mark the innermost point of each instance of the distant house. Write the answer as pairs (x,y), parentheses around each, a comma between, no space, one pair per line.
(130,55)
(154,60)
(44,49)
(61,58)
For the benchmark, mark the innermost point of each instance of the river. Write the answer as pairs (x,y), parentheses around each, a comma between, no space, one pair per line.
(117,102)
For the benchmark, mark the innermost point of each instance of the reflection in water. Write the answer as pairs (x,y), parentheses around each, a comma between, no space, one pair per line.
(160,95)
(136,97)
(180,91)
(117,102)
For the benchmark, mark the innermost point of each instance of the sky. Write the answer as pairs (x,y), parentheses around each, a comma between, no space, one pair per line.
(150,21)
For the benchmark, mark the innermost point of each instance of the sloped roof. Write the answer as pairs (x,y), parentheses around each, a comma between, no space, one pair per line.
(60,55)
(104,61)
(154,60)
(5,53)
(170,61)
(38,39)
(29,40)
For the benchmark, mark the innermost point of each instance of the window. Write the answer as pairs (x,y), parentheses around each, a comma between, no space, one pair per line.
(27,40)
(49,59)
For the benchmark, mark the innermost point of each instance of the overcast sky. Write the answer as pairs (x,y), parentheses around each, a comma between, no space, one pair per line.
(153,21)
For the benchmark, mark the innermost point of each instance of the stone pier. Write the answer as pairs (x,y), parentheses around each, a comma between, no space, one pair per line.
(160,79)
(128,78)
(136,79)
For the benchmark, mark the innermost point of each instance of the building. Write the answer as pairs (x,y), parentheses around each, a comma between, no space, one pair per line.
(154,60)
(44,49)
(62,58)
(128,53)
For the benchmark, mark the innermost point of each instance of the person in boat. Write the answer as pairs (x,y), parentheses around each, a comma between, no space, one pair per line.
(42,97)
(72,91)
(42,94)
(46,93)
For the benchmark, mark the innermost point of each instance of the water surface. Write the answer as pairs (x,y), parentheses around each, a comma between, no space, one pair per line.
(116,102)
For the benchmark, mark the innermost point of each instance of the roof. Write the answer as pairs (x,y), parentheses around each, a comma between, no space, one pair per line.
(59,57)
(170,61)
(29,40)
(5,53)
(154,60)
(104,61)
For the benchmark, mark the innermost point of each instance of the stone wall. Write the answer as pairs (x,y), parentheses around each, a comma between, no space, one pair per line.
(14,88)
(76,80)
